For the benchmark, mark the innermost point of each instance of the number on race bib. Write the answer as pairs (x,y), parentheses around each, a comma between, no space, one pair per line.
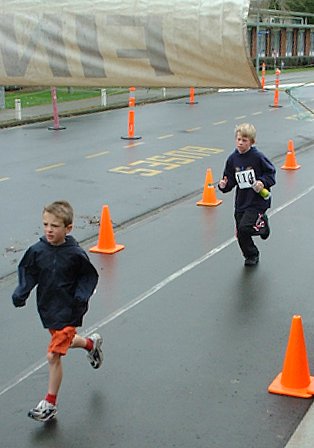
(245,178)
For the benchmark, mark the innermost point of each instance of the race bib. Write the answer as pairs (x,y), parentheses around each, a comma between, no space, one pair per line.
(245,179)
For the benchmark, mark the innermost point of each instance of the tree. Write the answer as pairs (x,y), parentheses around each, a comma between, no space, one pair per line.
(293,5)
(304,6)
(285,5)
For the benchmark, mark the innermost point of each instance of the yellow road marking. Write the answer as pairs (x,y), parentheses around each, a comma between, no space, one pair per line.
(193,129)
(132,145)
(165,136)
(220,122)
(96,154)
(295,117)
(154,165)
(49,167)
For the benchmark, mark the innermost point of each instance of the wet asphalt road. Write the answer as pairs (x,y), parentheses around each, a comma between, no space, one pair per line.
(192,338)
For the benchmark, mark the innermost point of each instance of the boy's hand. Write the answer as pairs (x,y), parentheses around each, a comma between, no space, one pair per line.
(258,186)
(223,182)
(19,303)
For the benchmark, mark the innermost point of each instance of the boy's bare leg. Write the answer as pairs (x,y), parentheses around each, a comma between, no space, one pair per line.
(55,373)
(78,342)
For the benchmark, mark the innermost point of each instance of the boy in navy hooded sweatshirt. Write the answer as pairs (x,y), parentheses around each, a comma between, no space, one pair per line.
(250,171)
(65,280)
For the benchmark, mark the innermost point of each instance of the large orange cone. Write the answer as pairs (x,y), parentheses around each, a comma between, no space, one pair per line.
(291,161)
(295,379)
(106,241)
(209,195)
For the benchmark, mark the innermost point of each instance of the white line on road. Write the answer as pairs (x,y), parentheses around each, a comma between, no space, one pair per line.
(49,167)
(133,145)
(165,136)
(97,154)
(220,122)
(150,292)
(193,129)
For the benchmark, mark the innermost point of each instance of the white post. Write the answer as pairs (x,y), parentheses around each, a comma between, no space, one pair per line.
(2,97)
(103,100)
(18,111)
(163,92)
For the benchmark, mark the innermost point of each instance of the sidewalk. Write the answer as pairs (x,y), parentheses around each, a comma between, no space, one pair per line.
(92,105)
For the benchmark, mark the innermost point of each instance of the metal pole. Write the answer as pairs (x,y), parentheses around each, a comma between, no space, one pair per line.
(2,97)
(257,44)
(56,124)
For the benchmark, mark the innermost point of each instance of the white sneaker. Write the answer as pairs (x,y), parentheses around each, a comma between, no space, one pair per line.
(43,412)
(95,356)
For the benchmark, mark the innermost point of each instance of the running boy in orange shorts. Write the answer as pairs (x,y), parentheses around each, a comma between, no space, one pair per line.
(65,280)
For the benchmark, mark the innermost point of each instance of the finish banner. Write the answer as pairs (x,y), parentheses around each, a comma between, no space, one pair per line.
(143,43)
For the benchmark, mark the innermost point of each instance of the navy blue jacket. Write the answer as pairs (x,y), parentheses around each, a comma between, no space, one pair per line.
(239,168)
(65,280)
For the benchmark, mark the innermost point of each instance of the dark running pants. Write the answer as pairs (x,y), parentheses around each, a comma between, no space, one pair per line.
(247,227)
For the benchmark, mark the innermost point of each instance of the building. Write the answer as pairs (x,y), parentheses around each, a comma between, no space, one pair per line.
(280,38)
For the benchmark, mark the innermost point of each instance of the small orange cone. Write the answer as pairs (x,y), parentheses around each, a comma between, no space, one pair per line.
(131,121)
(106,242)
(209,195)
(291,162)
(192,97)
(295,379)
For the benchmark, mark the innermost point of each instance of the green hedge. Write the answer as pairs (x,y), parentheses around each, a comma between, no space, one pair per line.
(288,62)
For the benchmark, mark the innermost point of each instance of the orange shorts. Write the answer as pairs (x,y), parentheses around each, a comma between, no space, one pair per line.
(61,340)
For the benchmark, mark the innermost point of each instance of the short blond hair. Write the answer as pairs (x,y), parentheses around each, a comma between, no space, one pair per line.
(246,130)
(62,210)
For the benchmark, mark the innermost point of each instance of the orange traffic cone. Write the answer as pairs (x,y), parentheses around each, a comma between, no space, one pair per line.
(192,97)
(291,161)
(209,195)
(106,242)
(131,121)
(295,379)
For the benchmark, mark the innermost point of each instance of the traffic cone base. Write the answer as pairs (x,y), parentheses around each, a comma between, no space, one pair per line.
(97,249)
(275,106)
(58,128)
(213,203)
(310,388)
(290,162)
(276,387)
(209,195)
(289,168)
(295,379)
(131,138)
(106,241)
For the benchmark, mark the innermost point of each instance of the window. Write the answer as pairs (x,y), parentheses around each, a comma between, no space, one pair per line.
(312,44)
(301,43)
(261,42)
(276,42)
(289,41)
